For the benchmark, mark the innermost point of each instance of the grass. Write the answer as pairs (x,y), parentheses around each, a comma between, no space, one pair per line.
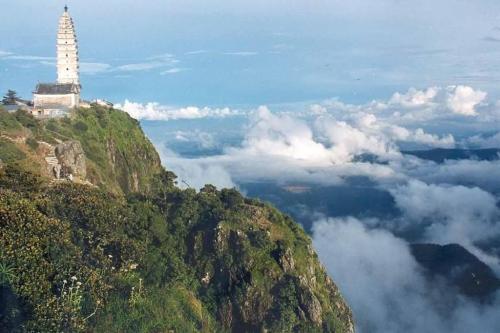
(159,310)
(9,152)
(120,158)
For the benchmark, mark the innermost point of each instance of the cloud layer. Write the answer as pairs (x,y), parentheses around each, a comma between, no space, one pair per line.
(386,288)
(326,144)
(164,63)
(155,111)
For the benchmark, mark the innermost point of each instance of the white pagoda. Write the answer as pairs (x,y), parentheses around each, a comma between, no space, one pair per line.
(56,99)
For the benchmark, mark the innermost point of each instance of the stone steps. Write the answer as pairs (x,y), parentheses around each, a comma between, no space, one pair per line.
(52,161)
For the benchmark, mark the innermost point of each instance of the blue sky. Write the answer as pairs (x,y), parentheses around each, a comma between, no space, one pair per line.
(248,53)
(293,92)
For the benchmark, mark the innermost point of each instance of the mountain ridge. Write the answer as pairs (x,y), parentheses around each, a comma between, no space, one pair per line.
(459,267)
(135,253)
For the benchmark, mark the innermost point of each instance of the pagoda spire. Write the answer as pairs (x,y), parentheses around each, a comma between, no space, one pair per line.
(67,51)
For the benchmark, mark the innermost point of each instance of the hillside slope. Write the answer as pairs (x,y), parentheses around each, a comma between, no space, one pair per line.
(76,257)
(118,156)
(461,268)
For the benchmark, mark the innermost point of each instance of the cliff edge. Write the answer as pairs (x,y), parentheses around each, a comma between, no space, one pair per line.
(95,236)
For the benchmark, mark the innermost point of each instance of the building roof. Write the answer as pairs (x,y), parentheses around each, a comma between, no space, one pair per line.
(57,89)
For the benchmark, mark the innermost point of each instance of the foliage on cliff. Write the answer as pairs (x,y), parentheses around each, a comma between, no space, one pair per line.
(119,157)
(82,258)
(77,258)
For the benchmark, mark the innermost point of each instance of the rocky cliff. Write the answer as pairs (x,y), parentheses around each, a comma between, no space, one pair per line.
(71,157)
(100,146)
(79,255)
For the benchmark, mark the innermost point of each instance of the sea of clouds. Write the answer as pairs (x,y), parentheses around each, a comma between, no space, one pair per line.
(456,201)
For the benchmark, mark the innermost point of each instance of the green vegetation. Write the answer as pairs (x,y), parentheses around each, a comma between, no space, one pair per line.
(32,143)
(9,151)
(120,158)
(10,98)
(154,258)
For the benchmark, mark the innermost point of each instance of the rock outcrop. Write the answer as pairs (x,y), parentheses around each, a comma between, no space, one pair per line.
(53,167)
(100,146)
(267,275)
(71,157)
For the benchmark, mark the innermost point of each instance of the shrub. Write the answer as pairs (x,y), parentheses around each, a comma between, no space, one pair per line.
(8,121)
(52,125)
(231,198)
(81,126)
(9,153)
(32,143)
(26,119)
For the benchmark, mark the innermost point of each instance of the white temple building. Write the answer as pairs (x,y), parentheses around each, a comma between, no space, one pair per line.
(57,99)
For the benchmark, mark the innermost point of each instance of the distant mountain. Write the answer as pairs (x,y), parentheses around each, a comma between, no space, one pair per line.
(459,267)
(358,197)
(440,155)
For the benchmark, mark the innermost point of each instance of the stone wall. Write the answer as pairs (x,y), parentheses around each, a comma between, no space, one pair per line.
(50,113)
(53,101)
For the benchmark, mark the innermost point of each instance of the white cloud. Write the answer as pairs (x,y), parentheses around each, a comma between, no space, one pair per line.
(284,136)
(402,134)
(94,67)
(484,141)
(196,52)
(347,141)
(29,58)
(374,269)
(320,145)
(174,70)
(164,62)
(434,106)
(463,100)
(445,214)
(385,287)
(166,58)
(318,110)
(203,139)
(4,53)
(318,151)
(393,133)
(141,66)
(155,111)
(280,147)
(328,140)
(155,62)
(196,174)
(415,98)
(90,68)
(459,214)
(242,53)
(483,174)
(48,63)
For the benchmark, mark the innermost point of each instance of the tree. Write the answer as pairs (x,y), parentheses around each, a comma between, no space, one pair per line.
(232,198)
(10,98)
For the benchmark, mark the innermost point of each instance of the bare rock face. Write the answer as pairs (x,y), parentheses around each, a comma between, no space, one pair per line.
(72,160)
(311,306)
(286,260)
